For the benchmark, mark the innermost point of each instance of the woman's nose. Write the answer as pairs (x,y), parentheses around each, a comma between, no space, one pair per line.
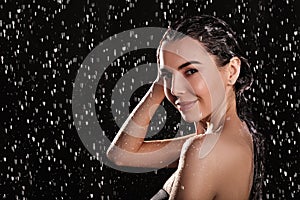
(178,85)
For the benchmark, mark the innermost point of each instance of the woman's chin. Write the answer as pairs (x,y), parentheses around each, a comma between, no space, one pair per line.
(192,117)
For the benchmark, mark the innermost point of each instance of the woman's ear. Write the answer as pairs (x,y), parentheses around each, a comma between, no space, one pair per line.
(234,70)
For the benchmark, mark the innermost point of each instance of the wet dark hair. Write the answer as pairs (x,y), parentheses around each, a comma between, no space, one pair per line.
(221,41)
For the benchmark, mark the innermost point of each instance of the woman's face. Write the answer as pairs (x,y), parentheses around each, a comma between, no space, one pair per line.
(192,81)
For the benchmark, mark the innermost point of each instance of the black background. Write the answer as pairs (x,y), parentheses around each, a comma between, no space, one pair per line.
(43,44)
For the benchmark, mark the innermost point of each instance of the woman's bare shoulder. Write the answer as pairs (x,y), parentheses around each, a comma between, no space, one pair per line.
(227,165)
(219,144)
(225,157)
(194,175)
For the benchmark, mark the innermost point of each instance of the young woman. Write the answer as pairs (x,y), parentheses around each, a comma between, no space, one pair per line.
(203,74)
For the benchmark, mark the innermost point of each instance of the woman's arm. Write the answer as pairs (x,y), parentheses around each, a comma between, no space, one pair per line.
(129,148)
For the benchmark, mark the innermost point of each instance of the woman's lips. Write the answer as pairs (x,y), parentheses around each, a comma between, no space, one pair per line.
(185,105)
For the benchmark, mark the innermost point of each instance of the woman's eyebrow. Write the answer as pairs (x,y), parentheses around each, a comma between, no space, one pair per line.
(187,64)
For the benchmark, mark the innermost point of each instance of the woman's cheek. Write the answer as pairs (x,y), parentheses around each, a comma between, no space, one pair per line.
(198,86)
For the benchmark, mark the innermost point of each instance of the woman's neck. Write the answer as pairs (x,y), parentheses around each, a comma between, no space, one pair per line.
(231,117)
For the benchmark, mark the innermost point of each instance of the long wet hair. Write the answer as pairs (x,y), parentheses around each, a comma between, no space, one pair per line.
(221,41)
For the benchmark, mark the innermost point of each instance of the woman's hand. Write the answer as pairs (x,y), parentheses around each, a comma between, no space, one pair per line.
(169,183)
(159,79)
(157,88)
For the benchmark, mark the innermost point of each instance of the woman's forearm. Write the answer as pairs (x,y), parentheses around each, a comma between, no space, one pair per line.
(131,135)
(129,148)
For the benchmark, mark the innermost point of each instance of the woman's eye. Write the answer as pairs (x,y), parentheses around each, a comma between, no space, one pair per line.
(191,71)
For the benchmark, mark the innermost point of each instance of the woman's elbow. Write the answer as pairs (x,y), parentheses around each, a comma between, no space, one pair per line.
(115,157)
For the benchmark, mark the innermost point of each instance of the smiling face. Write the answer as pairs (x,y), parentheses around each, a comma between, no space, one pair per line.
(193,83)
